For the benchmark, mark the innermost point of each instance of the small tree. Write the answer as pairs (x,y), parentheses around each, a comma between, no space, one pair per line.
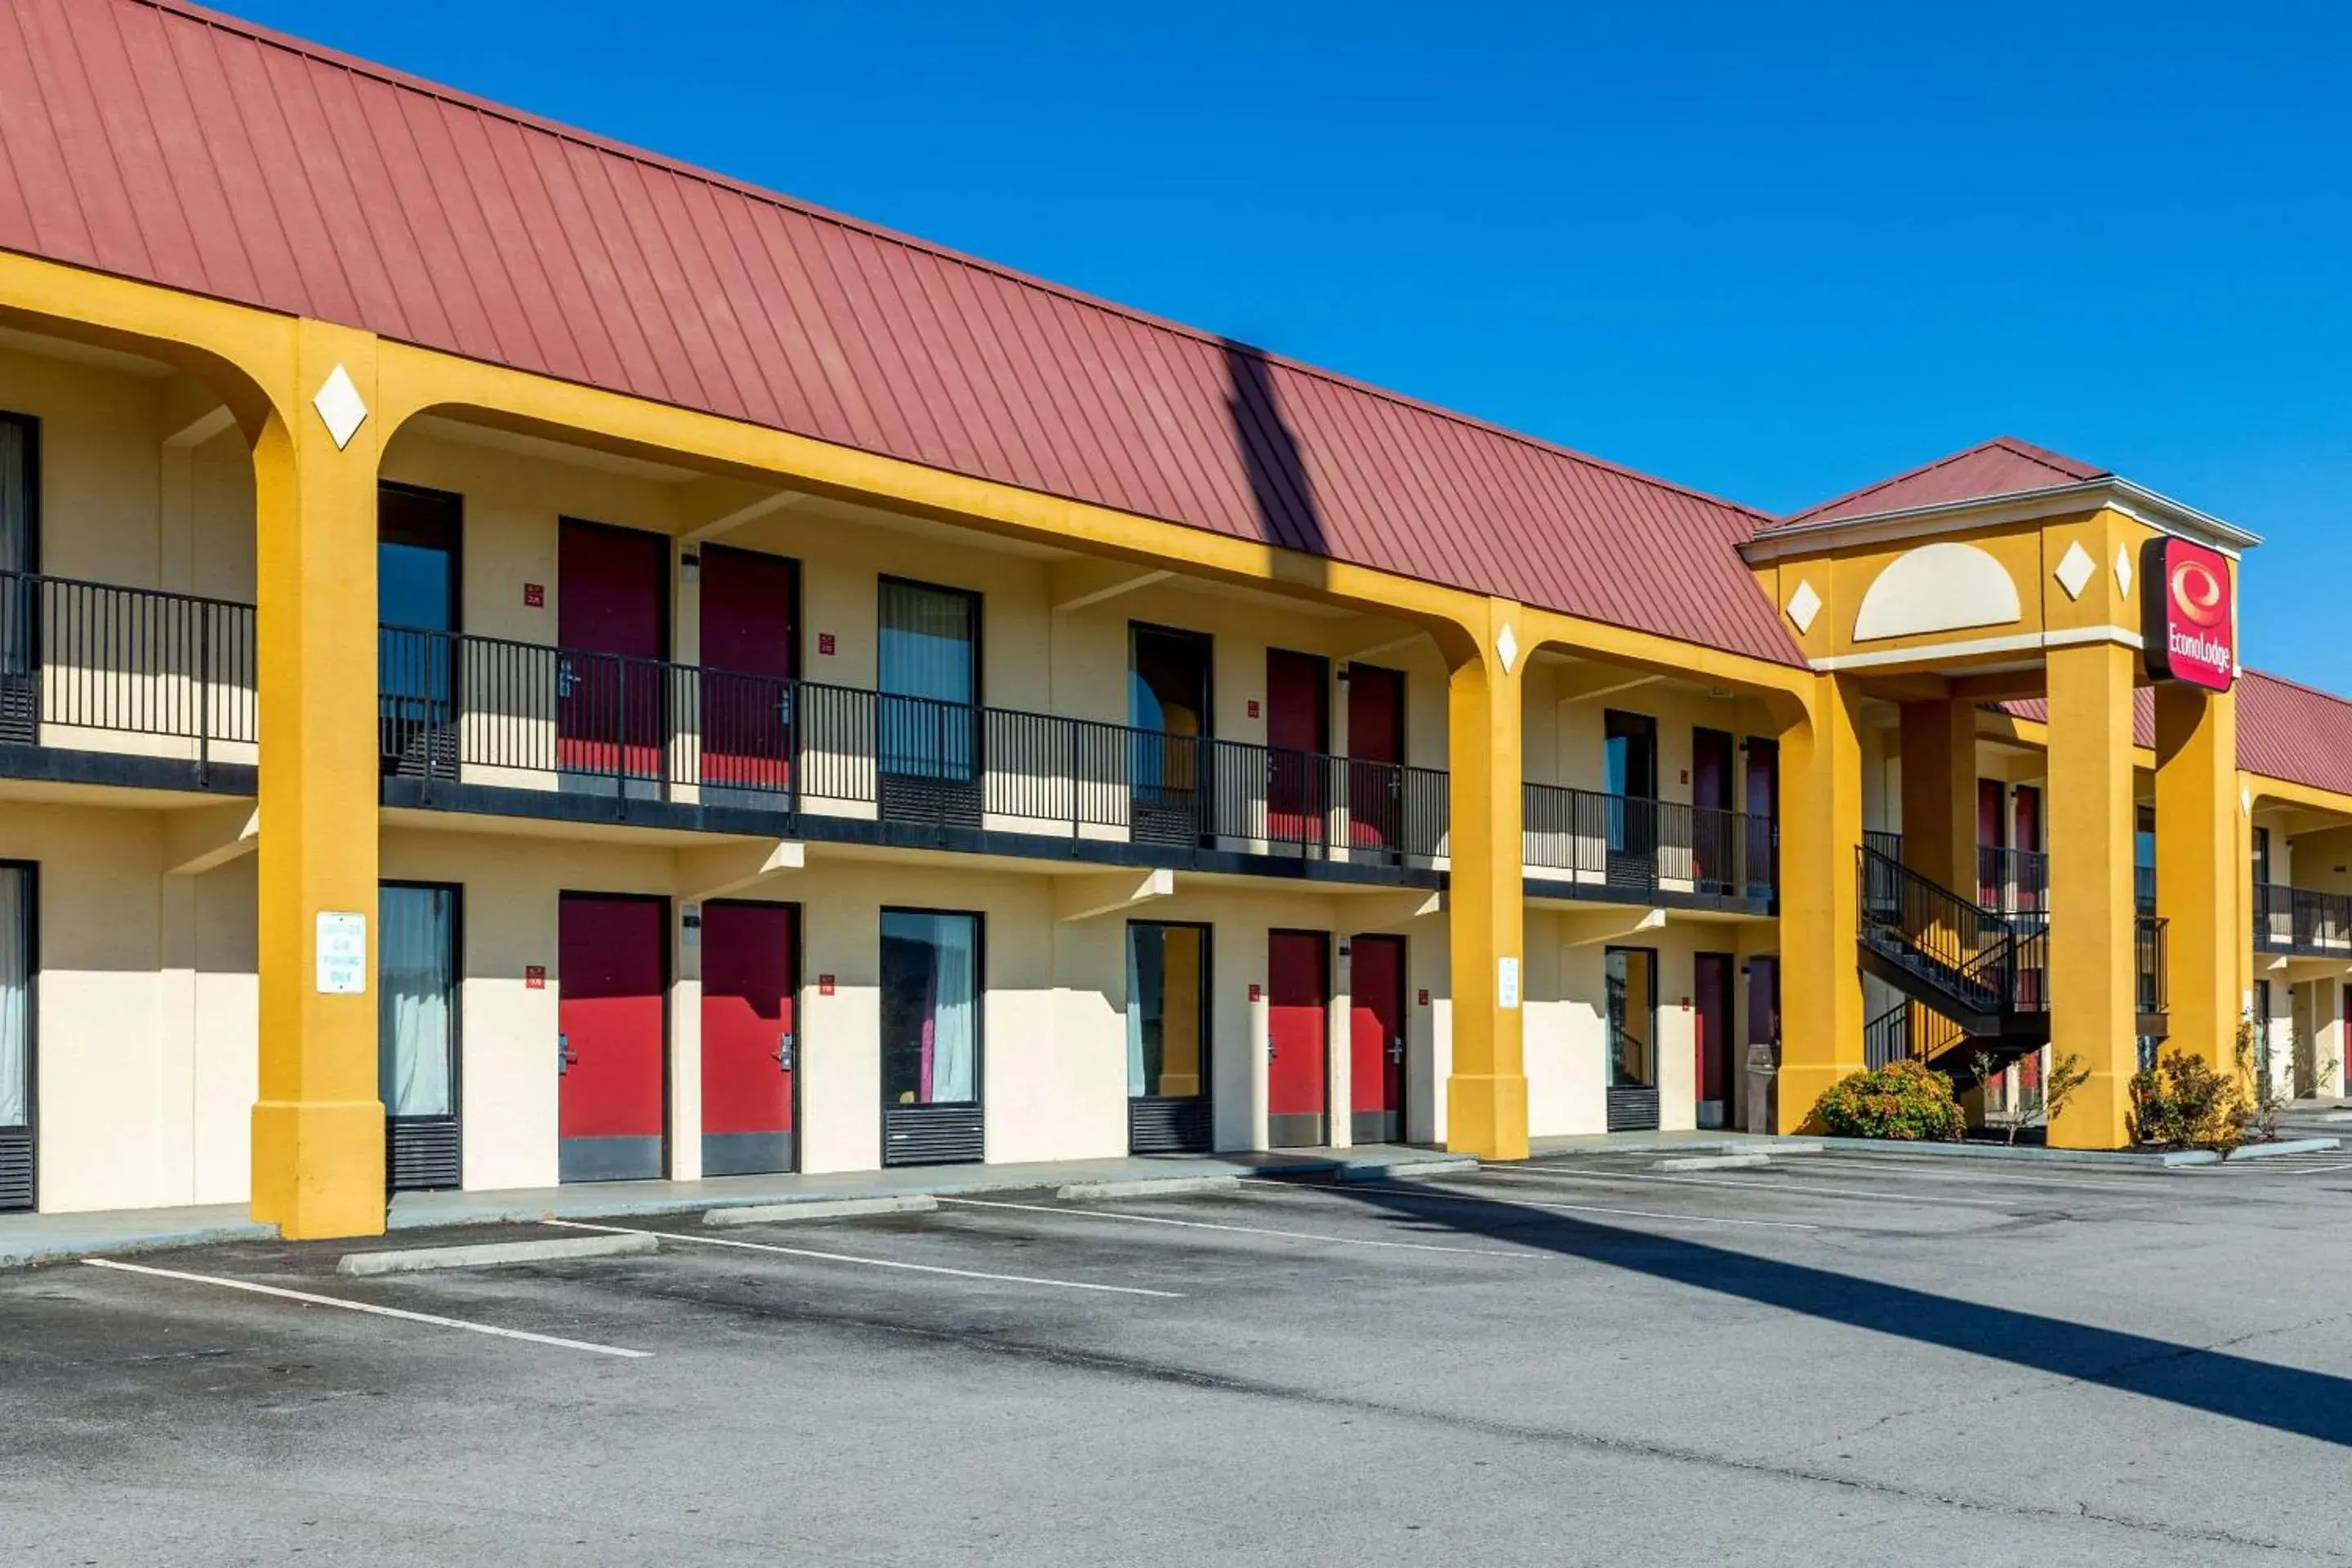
(2261,1120)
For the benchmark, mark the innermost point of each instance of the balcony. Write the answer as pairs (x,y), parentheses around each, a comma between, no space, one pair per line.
(2301,923)
(126,686)
(1611,848)
(476,723)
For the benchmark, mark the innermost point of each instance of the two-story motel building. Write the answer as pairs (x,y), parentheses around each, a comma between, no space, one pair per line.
(521,662)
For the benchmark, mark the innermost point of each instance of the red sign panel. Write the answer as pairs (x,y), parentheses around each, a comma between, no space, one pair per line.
(2188,613)
(534,977)
(534,595)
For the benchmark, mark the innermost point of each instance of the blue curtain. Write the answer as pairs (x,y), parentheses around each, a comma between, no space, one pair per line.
(929,669)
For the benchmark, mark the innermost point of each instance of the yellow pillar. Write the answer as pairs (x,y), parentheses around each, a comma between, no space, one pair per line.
(1939,793)
(1821,829)
(317,1128)
(1486,1097)
(2093,1013)
(2200,875)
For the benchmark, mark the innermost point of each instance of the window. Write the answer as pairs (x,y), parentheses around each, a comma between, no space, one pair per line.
(15,996)
(1167,696)
(20,498)
(417,534)
(930,1007)
(1631,758)
(2261,1025)
(417,965)
(2262,857)
(930,676)
(1632,985)
(1166,1010)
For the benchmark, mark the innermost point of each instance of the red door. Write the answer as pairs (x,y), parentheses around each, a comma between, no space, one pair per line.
(748,1049)
(612,629)
(612,964)
(750,654)
(1992,833)
(1375,1039)
(1299,1001)
(1298,734)
(1711,983)
(1763,807)
(1763,1020)
(1375,757)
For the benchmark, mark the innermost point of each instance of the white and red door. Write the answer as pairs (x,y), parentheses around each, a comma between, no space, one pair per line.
(751,651)
(613,954)
(1375,757)
(1713,1073)
(611,630)
(750,1048)
(1298,1010)
(1298,740)
(1375,1039)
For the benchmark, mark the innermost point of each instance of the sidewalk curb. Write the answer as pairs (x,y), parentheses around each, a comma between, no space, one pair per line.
(490,1254)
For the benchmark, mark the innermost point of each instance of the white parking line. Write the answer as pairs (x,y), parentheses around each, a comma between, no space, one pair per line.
(876,1262)
(1896,1199)
(2302,1170)
(1916,1168)
(1446,1195)
(1238,1229)
(369,1307)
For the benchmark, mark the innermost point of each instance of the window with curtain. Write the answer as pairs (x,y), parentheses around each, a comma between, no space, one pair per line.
(931,1008)
(928,658)
(416,965)
(1167,1009)
(15,996)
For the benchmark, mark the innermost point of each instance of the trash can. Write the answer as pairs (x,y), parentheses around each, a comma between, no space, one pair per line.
(1763,1088)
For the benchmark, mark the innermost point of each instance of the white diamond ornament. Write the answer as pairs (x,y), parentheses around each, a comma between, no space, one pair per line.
(1506,647)
(340,407)
(1805,605)
(2123,569)
(2075,570)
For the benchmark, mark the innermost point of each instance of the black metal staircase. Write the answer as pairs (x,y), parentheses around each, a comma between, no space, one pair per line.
(1978,970)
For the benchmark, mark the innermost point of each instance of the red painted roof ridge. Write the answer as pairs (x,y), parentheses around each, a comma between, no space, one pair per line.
(2072,468)
(394,77)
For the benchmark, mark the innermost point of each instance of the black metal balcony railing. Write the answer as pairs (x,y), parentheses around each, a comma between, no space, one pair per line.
(1640,847)
(92,656)
(523,713)
(2300,920)
(2014,881)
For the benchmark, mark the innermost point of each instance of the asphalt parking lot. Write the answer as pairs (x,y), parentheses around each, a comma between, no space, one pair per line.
(1836,1358)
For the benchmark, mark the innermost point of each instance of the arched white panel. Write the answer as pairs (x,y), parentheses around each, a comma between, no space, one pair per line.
(1937,587)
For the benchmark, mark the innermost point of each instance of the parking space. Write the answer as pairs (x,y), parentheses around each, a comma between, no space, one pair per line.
(1835,1353)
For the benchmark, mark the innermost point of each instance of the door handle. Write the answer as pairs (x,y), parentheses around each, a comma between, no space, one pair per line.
(564,1054)
(784,1051)
(566,676)
(1396,1049)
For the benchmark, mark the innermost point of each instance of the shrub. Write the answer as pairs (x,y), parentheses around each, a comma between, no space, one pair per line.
(2183,1103)
(1902,1100)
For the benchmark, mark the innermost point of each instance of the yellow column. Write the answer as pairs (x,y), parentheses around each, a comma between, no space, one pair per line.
(2201,876)
(318,1128)
(1821,829)
(1939,793)
(2092,1009)
(1486,1097)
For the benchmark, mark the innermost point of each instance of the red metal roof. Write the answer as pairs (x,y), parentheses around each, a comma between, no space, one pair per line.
(2002,466)
(2285,731)
(161,141)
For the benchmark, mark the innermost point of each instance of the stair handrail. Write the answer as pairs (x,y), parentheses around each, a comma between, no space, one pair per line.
(1978,949)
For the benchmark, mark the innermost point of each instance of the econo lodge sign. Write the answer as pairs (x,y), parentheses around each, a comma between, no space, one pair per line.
(2188,613)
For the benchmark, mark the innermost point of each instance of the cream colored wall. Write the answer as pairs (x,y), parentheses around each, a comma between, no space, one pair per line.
(146,1021)
(1567,1023)
(1053,1042)
(1565,732)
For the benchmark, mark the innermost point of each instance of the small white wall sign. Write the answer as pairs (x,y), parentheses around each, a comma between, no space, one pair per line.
(1507,982)
(342,954)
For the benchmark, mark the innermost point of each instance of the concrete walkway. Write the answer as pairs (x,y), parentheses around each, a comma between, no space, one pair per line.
(45,1237)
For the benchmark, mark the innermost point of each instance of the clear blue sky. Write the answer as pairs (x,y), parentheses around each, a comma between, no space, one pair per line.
(1774,252)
